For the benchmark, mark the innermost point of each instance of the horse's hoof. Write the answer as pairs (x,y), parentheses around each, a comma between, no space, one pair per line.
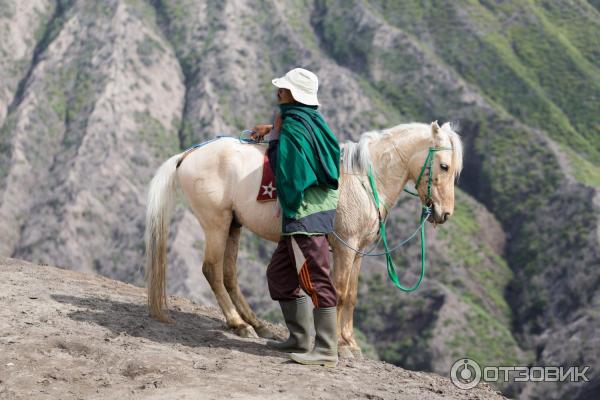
(357,353)
(164,318)
(264,332)
(246,332)
(345,353)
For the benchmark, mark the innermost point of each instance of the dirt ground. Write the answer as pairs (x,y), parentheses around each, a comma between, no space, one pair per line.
(68,335)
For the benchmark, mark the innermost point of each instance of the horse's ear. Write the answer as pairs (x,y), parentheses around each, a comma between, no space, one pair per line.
(435,129)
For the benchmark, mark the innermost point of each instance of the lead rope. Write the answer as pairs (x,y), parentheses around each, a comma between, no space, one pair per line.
(391,267)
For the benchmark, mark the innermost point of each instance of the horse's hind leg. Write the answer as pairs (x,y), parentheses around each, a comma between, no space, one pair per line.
(213,271)
(233,288)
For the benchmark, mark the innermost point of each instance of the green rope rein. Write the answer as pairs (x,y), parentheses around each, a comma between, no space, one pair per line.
(426,211)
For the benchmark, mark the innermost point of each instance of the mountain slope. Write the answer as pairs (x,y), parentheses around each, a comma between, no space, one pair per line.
(71,335)
(93,97)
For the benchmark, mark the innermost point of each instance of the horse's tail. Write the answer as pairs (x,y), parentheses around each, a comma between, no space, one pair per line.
(161,199)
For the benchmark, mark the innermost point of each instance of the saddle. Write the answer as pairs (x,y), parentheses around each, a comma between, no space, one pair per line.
(267,190)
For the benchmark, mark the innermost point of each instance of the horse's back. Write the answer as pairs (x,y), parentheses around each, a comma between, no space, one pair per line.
(209,174)
(223,178)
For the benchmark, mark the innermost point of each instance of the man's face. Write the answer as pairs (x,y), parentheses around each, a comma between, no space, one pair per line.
(284,96)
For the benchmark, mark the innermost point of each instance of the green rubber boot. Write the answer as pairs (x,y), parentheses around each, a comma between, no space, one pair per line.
(325,351)
(297,319)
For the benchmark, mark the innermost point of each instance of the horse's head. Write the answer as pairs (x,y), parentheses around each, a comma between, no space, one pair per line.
(438,168)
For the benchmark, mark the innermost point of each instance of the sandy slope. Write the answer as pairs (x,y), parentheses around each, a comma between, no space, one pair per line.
(65,334)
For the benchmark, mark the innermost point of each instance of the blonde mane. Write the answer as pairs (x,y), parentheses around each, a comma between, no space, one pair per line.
(356,157)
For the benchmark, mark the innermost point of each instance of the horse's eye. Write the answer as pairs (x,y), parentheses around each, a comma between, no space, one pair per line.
(444,167)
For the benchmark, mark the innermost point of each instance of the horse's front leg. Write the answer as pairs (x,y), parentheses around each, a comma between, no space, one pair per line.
(348,325)
(343,259)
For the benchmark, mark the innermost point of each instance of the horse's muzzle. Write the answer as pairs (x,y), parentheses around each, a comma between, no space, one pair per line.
(437,217)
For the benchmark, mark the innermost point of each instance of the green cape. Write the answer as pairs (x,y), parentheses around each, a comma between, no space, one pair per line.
(308,155)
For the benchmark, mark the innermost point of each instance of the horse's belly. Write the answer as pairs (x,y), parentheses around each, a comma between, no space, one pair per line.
(262,219)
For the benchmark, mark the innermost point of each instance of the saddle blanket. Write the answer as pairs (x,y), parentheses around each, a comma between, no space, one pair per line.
(267,190)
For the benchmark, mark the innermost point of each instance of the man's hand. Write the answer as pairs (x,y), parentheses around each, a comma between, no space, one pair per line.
(260,131)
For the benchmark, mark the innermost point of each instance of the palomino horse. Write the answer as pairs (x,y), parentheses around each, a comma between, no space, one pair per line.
(220,181)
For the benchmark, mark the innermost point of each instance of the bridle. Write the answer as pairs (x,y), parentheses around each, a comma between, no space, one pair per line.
(427,165)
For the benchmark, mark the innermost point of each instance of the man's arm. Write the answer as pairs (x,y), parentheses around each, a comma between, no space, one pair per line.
(260,131)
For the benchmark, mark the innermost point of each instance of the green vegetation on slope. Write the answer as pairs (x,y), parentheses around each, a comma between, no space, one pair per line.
(487,337)
(519,57)
(584,171)
(399,326)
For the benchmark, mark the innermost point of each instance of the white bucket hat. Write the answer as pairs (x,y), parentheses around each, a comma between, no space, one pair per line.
(302,83)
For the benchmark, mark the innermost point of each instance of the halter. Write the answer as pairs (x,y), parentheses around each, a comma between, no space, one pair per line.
(427,167)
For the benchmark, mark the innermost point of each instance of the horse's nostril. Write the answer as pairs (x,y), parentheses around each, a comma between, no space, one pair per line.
(446,216)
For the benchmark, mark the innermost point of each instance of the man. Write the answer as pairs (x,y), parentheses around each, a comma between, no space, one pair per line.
(306,178)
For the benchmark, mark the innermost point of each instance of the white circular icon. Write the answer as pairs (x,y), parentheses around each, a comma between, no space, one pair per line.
(465,373)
